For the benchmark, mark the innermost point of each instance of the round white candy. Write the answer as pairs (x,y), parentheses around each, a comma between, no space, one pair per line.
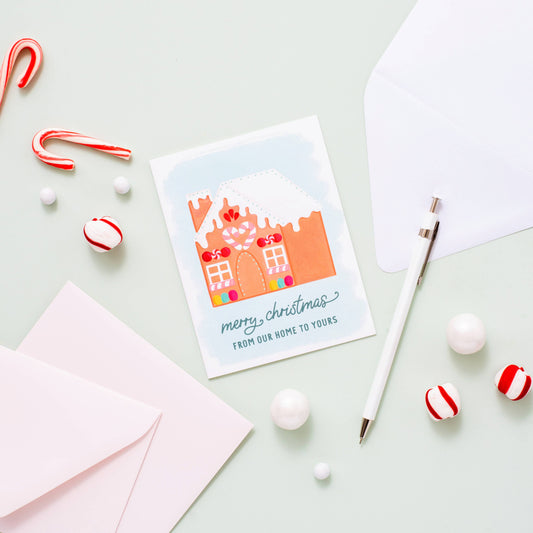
(443,401)
(289,409)
(466,333)
(47,196)
(102,234)
(121,185)
(321,471)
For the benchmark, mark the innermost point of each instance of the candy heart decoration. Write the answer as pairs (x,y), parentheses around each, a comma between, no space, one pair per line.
(240,238)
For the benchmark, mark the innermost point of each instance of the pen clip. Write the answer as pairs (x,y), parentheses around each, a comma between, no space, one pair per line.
(424,266)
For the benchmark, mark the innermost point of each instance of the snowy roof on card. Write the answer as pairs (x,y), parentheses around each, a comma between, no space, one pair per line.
(195,197)
(267,194)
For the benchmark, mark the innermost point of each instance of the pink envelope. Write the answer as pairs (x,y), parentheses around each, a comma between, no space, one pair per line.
(119,469)
(55,428)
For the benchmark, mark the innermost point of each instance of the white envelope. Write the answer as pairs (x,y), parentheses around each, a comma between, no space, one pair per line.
(123,476)
(448,113)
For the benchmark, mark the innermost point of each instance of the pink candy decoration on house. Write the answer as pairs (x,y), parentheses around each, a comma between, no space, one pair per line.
(11,57)
(513,382)
(443,401)
(73,137)
(234,236)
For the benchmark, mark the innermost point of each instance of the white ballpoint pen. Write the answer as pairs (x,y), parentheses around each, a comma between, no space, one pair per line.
(417,266)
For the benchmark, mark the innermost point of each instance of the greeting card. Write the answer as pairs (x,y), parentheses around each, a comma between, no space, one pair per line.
(262,246)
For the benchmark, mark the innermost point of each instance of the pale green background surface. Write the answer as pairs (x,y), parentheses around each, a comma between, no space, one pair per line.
(159,77)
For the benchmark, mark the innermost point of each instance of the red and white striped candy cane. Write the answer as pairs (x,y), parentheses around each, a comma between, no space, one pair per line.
(9,61)
(231,234)
(73,137)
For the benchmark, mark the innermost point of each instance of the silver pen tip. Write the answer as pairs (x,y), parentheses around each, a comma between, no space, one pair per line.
(364,429)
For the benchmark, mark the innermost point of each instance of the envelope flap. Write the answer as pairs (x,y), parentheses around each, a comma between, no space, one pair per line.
(473,69)
(55,426)
(415,153)
(447,113)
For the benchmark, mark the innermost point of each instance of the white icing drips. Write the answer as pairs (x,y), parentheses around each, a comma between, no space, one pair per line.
(195,197)
(269,195)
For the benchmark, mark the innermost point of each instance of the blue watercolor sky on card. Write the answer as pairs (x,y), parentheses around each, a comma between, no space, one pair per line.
(293,156)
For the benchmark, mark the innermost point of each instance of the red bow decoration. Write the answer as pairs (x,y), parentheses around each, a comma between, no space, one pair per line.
(269,239)
(216,254)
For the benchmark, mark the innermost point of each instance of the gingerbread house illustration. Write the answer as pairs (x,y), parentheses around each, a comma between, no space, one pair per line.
(260,233)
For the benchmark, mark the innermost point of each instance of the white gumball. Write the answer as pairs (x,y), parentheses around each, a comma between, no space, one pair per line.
(322,471)
(47,196)
(466,333)
(121,185)
(289,409)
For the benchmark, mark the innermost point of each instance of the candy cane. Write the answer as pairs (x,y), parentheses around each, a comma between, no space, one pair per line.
(251,237)
(73,137)
(9,61)
(226,235)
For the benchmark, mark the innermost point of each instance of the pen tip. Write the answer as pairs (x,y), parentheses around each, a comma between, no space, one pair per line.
(360,441)
(364,428)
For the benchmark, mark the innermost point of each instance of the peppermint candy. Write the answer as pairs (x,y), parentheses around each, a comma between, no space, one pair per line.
(216,254)
(443,401)
(269,239)
(513,382)
(102,234)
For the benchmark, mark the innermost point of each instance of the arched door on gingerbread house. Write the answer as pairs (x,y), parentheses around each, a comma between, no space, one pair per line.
(250,277)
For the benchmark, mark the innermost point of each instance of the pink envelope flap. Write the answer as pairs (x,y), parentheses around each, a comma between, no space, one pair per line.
(197,432)
(56,425)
